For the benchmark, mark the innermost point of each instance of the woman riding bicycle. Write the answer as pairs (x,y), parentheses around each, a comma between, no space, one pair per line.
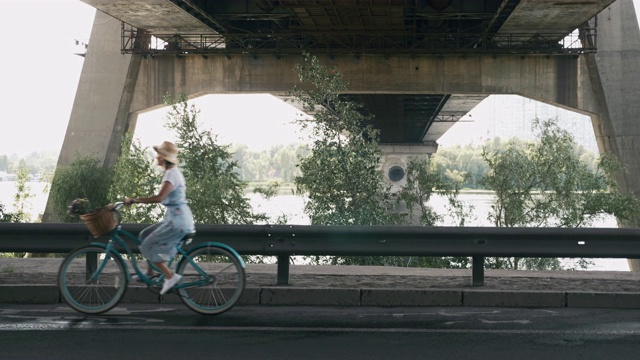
(159,240)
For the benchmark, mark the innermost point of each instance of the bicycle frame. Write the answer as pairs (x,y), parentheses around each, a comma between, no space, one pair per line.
(205,287)
(117,240)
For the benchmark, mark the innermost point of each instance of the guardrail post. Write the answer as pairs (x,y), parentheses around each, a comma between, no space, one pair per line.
(477,270)
(283,269)
(91,264)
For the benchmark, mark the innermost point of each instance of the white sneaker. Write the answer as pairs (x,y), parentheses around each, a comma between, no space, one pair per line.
(169,283)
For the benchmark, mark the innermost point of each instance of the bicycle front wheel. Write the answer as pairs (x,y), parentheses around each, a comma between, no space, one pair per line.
(92,280)
(213,280)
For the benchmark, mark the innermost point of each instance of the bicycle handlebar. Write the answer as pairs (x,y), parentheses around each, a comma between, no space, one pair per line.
(116,208)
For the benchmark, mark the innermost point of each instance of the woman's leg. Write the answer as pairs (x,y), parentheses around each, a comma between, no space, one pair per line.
(144,247)
(171,278)
(159,246)
(168,273)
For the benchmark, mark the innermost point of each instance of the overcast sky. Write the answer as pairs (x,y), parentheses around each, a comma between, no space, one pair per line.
(40,74)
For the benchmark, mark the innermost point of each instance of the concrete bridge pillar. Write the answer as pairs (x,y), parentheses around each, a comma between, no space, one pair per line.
(615,74)
(101,110)
(100,115)
(394,168)
(397,156)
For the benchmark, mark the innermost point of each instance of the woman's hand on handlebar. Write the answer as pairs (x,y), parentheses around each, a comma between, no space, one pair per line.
(129,201)
(116,206)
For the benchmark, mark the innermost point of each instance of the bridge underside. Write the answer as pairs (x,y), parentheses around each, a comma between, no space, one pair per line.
(387,28)
(414,118)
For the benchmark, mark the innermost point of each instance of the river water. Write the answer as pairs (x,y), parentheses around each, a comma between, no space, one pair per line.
(292,206)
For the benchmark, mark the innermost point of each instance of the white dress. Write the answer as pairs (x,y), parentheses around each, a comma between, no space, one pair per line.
(159,240)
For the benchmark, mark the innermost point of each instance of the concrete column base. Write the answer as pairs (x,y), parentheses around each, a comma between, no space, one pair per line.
(395,160)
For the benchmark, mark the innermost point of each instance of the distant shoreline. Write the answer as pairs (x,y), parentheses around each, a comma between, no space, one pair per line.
(290,189)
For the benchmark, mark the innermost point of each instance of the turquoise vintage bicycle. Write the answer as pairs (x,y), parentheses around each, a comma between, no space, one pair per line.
(94,278)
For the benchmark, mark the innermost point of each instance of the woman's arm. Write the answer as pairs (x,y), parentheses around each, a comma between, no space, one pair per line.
(164,191)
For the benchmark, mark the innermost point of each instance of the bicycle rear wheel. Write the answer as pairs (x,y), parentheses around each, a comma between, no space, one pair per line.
(93,286)
(216,282)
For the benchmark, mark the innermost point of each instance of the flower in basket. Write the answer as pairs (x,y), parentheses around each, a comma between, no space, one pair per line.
(80,206)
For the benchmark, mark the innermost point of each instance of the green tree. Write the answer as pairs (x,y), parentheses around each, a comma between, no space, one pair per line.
(136,174)
(83,178)
(22,195)
(241,155)
(279,163)
(544,183)
(341,175)
(423,181)
(40,162)
(463,163)
(215,189)
(7,217)
(4,163)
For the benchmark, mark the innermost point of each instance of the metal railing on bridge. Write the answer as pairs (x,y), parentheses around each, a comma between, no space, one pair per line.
(385,43)
(284,241)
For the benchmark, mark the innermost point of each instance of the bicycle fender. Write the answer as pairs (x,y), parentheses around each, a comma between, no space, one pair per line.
(224,246)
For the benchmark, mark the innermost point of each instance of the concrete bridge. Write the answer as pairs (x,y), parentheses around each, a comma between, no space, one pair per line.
(418,66)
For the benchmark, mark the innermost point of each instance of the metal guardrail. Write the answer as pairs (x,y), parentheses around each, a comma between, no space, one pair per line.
(284,241)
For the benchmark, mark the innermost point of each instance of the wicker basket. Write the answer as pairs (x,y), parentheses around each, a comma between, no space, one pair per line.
(100,221)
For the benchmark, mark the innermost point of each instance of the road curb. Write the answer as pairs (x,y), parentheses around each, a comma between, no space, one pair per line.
(603,300)
(297,296)
(29,294)
(502,298)
(293,296)
(411,297)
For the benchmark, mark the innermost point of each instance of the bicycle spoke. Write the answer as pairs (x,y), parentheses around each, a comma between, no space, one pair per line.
(224,269)
(218,291)
(92,291)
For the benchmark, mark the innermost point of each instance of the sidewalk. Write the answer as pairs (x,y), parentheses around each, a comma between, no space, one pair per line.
(33,281)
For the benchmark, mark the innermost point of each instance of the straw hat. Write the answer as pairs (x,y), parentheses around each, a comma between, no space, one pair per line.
(168,151)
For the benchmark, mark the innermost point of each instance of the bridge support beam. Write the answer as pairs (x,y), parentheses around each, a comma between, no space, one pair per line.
(115,87)
(553,79)
(615,72)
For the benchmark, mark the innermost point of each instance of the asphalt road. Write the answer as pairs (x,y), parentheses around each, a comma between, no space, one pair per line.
(262,332)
